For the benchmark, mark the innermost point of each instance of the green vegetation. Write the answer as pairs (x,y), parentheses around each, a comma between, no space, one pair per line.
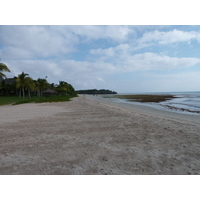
(146,98)
(4,100)
(14,100)
(30,90)
(3,68)
(23,81)
(95,91)
(41,85)
(65,88)
(46,99)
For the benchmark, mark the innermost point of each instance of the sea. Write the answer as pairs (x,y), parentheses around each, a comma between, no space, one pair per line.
(187,103)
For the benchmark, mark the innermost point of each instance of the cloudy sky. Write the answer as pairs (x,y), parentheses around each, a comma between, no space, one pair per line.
(121,58)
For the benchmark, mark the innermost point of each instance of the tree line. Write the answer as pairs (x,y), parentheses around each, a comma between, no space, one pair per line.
(23,85)
(95,91)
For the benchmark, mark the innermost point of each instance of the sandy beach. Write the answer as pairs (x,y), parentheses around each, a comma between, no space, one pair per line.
(92,135)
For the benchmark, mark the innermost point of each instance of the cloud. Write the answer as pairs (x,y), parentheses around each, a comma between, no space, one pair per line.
(83,73)
(100,79)
(123,59)
(22,42)
(12,53)
(169,37)
(25,42)
(122,49)
(151,61)
(106,52)
(115,33)
(68,70)
(152,38)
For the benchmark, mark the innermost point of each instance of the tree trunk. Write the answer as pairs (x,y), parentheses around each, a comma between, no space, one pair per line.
(20,92)
(23,92)
(38,93)
(29,93)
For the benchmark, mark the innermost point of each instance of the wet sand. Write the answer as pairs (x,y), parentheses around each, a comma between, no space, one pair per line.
(91,135)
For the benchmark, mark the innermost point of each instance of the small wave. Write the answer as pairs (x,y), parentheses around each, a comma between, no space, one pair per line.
(180,109)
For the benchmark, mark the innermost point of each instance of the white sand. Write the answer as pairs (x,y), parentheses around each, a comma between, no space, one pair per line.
(91,135)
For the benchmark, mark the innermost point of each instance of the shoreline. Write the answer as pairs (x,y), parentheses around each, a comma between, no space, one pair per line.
(190,117)
(95,136)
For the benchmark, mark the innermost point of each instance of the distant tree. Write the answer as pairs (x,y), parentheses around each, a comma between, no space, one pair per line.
(65,88)
(7,88)
(22,81)
(41,85)
(3,87)
(30,85)
(36,87)
(95,91)
(3,68)
(52,86)
(71,90)
(62,87)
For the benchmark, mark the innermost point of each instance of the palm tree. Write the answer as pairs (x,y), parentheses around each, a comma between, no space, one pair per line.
(21,82)
(36,89)
(30,85)
(71,89)
(65,88)
(52,86)
(62,87)
(3,68)
(42,84)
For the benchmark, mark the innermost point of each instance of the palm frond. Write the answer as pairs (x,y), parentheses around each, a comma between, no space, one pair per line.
(3,75)
(4,68)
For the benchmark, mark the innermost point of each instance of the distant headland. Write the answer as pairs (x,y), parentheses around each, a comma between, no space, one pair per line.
(95,91)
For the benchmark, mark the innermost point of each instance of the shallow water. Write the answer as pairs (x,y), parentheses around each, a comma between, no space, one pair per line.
(188,102)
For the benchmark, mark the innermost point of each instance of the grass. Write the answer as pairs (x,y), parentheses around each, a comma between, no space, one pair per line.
(14,100)
(4,100)
(146,98)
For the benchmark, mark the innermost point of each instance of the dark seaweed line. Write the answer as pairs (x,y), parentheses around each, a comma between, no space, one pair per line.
(180,109)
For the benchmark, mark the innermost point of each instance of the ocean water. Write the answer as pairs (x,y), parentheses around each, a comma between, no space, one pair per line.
(188,102)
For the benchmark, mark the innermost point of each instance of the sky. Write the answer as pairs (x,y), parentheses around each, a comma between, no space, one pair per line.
(126,59)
